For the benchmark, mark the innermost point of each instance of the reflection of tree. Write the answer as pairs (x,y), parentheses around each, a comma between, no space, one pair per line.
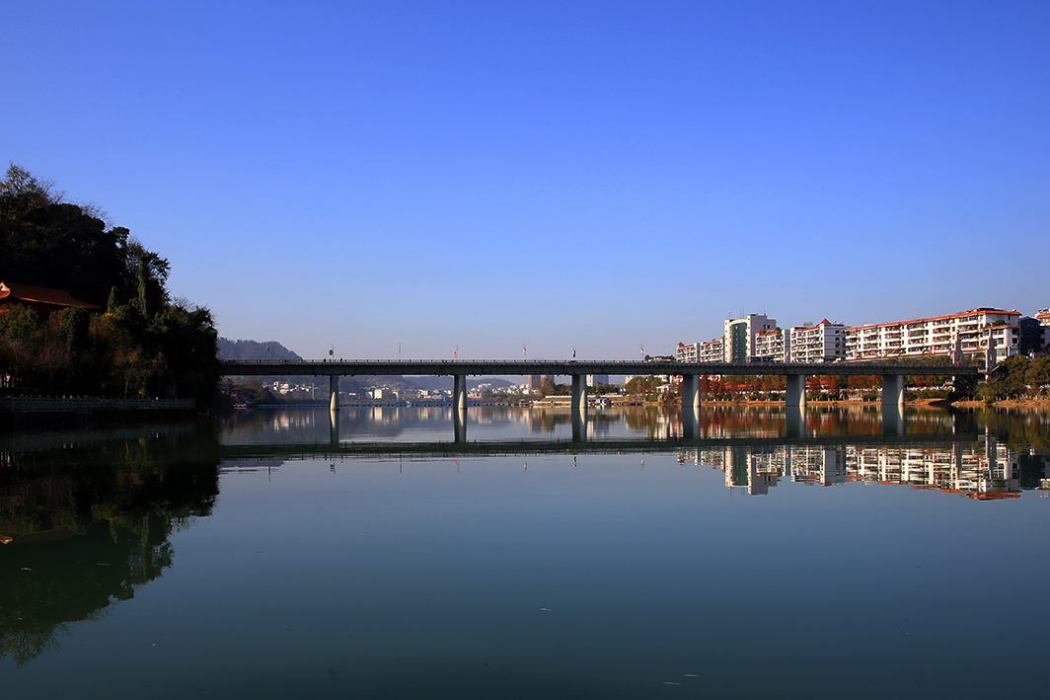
(90,526)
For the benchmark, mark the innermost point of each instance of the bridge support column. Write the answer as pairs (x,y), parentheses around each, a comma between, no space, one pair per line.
(459,392)
(333,393)
(690,406)
(796,391)
(893,391)
(579,395)
(893,404)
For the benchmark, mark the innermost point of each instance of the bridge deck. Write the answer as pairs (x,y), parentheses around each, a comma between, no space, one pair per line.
(562,367)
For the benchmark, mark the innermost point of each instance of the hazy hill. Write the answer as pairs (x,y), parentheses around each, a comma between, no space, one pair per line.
(254,350)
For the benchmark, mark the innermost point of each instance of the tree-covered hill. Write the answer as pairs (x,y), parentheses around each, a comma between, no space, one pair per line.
(141,342)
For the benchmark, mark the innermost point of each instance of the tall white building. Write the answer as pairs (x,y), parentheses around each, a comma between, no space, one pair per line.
(973,333)
(824,342)
(739,336)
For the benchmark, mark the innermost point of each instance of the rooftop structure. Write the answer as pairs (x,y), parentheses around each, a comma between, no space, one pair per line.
(43,300)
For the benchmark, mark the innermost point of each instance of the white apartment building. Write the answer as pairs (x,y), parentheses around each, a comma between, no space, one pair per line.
(824,342)
(969,333)
(712,350)
(772,346)
(1043,316)
(704,351)
(739,336)
(687,352)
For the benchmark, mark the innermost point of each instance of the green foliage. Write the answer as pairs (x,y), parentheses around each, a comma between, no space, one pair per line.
(144,344)
(1015,378)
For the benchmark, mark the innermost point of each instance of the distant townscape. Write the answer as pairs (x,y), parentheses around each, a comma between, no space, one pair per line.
(984,334)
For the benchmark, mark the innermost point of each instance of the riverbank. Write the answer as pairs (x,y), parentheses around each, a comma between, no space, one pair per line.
(1027,404)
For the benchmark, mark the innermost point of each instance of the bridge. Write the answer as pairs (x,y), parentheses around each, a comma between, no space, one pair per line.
(892,373)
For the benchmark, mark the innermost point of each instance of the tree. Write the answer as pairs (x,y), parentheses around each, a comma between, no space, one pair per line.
(142,345)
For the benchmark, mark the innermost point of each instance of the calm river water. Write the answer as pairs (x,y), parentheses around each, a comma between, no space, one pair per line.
(276,555)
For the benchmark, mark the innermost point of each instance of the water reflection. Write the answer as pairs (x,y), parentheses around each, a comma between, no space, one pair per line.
(87,522)
(328,549)
(986,469)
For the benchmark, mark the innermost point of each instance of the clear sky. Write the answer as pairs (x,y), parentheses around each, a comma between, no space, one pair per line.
(594,174)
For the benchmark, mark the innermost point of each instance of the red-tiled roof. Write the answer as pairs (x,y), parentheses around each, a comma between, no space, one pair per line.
(41,295)
(961,314)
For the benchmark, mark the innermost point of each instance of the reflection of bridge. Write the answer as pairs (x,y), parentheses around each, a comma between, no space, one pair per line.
(892,374)
(336,449)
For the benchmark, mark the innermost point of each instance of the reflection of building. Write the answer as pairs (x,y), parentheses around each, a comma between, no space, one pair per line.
(968,333)
(820,465)
(984,470)
(823,342)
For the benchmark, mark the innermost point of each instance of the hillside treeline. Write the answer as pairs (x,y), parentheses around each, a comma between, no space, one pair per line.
(138,343)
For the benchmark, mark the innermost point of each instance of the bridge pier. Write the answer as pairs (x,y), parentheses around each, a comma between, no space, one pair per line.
(893,391)
(893,404)
(333,393)
(459,392)
(796,391)
(690,393)
(579,395)
(690,406)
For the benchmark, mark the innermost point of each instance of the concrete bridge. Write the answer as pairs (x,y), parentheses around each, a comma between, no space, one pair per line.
(892,373)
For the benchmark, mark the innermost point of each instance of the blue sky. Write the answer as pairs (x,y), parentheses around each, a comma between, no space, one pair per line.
(595,174)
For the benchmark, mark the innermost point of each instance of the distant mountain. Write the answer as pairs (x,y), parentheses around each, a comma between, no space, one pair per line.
(254,350)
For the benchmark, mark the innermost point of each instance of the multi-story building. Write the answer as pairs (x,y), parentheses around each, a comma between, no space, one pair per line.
(712,350)
(975,333)
(597,379)
(535,381)
(704,351)
(687,352)
(772,345)
(1043,316)
(739,336)
(824,342)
